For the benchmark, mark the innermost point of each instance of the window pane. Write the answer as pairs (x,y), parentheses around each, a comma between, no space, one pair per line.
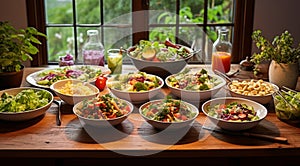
(60,42)
(114,9)
(162,33)
(162,12)
(90,13)
(191,11)
(220,11)
(58,12)
(117,37)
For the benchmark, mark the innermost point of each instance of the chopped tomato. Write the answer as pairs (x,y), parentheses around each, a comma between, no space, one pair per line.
(177,115)
(101,82)
(112,116)
(183,117)
(222,106)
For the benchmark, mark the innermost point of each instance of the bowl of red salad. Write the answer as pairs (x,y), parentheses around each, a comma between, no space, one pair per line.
(168,113)
(103,111)
(233,113)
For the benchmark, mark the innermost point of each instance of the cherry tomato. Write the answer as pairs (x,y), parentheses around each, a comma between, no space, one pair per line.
(101,82)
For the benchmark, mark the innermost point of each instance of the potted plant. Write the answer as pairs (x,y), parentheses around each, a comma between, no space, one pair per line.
(282,55)
(16,47)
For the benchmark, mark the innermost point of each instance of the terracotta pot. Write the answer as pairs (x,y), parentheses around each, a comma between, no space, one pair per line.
(11,79)
(284,74)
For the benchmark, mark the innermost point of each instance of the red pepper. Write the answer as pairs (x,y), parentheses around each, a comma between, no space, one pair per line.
(101,82)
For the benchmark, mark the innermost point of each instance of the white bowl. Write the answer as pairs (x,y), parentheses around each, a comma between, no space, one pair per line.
(161,69)
(264,99)
(73,99)
(196,96)
(261,112)
(102,123)
(135,97)
(27,115)
(169,125)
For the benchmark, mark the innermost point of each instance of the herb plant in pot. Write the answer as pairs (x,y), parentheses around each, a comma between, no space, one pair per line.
(16,47)
(283,57)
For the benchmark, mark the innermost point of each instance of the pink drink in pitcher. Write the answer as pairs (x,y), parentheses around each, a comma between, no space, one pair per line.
(93,57)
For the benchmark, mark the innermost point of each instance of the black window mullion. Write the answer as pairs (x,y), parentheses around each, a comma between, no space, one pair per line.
(102,21)
(177,20)
(75,29)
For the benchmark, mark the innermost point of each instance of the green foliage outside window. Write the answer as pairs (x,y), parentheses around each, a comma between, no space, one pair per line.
(61,39)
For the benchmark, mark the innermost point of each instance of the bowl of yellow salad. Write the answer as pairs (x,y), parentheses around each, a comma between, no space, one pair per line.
(73,91)
(137,87)
(169,113)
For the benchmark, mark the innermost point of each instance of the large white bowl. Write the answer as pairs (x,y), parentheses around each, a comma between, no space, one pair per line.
(27,115)
(169,125)
(235,126)
(102,123)
(196,96)
(264,99)
(161,69)
(137,97)
(73,99)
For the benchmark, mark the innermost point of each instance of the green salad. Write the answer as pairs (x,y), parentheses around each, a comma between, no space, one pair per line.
(284,110)
(28,99)
(159,52)
(198,81)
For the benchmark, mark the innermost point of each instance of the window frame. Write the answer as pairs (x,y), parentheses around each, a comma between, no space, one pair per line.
(243,27)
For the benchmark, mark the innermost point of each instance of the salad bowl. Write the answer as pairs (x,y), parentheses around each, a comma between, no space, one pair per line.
(137,87)
(28,102)
(162,59)
(187,87)
(233,113)
(180,113)
(102,111)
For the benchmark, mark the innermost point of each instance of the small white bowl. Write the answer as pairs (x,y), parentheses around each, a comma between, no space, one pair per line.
(73,99)
(169,125)
(265,99)
(27,115)
(261,112)
(102,123)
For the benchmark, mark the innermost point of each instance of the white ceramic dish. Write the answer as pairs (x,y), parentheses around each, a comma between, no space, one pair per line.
(265,99)
(136,97)
(27,115)
(235,126)
(161,69)
(34,77)
(102,123)
(199,95)
(73,99)
(169,125)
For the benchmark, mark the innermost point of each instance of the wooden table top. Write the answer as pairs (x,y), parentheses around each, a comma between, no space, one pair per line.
(41,137)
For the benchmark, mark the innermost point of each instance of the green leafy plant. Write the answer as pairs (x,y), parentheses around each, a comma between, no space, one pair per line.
(281,49)
(17,46)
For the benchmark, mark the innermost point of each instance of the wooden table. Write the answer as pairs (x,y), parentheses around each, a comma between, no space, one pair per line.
(41,141)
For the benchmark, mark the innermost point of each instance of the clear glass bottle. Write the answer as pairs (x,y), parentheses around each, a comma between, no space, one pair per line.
(93,50)
(221,54)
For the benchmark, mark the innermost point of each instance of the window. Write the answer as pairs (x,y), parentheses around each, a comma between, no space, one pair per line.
(123,23)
